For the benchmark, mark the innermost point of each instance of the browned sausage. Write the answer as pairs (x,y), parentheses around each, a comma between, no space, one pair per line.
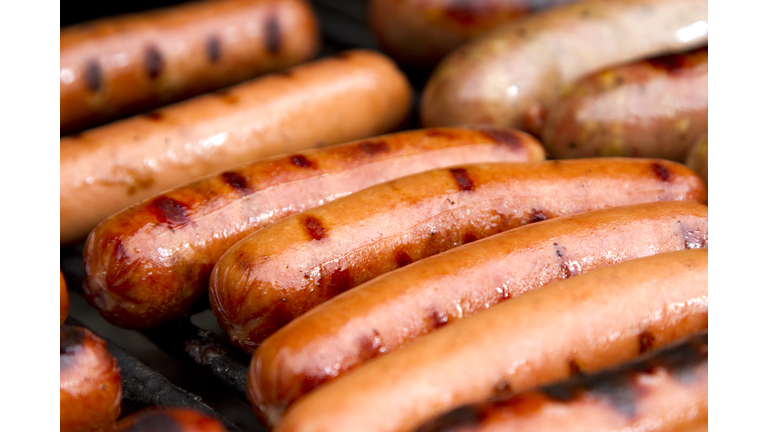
(90,382)
(514,71)
(63,298)
(167,419)
(353,95)
(420,32)
(667,390)
(651,108)
(400,307)
(123,65)
(285,269)
(591,322)
(147,264)
(697,158)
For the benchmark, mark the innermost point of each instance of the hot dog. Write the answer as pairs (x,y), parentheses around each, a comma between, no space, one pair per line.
(651,108)
(399,307)
(667,390)
(149,263)
(353,95)
(124,65)
(285,269)
(90,382)
(584,324)
(63,298)
(697,158)
(167,419)
(514,71)
(421,32)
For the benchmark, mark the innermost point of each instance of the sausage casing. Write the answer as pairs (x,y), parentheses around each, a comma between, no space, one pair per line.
(150,262)
(285,269)
(400,307)
(584,324)
(168,419)
(124,65)
(63,298)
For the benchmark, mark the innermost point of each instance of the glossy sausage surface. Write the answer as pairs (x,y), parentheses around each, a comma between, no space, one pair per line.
(127,64)
(352,95)
(400,307)
(167,419)
(285,269)
(149,263)
(512,72)
(594,321)
(63,298)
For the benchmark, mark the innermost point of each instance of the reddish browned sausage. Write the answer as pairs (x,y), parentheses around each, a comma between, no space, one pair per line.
(285,269)
(515,70)
(651,108)
(63,298)
(90,382)
(667,390)
(353,95)
(400,307)
(167,419)
(591,322)
(147,264)
(124,65)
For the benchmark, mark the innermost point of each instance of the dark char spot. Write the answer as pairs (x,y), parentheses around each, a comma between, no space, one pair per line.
(213,48)
(236,180)
(646,340)
(93,75)
(374,147)
(452,420)
(314,227)
(169,211)
(567,270)
(437,318)
(402,258)
(661,172)
(301,161)
(537,216)
(508,138)
(154,116)
(272,34)
(153,61)
(462,179)
(154,422)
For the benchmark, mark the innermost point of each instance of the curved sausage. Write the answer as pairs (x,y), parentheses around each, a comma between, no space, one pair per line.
(651,108)
(90,382)
(402,306)
(353,95)
(587,323)
(667,390)
(420,33)
(287,268)
(124,65)
(514,71)
(697,158)
(168,419)
(147,264)
(63,298)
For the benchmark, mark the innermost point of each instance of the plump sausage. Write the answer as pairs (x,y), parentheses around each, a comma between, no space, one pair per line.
(697,158)
(285,269)
(651,108)
(167,419)
(90,382)
(419,32)
(64,298)
(667,390)
(149,263)
(584,324)
(353,95)
(514,71)
(124,65)
(400,307)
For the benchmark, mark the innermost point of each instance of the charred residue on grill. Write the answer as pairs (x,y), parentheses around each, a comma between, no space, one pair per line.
(646,341)
(402,258)
(505,137)
(213,48)
(301,161)
(272,36)
(236,181)
(314,227)
(153,61)
(71,341)
(374,147)
(93,75)
(169,211)
(463,181)
(154,422)
(661,172)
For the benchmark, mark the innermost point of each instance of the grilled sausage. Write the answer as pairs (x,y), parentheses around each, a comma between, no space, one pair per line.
(90,381)
(512,72)
(651,108)
(285,269)
(591,322)
(419,32)
(697,159)
(147,264)
(667,390)
(402,306)
(124,65)
(63,298)
(353,95)
(167,419)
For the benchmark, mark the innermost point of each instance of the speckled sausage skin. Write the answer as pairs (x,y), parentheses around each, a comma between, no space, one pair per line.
(597,320)
(353,95)
(124,65)
(167,419)
(291,266)
(90,382)
(514,71)
(667,390)
(420,32)
(652,108)
(698,159)
(63,298)
(147,264)
(400,307)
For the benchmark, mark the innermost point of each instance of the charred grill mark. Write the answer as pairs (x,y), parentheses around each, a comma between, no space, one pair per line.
(402,258)
(272,34)
(314,227)
(661,172)
(93,75)
(236,181)
(213,48)
(508,138)
(646,340)
(154,116)
(462,179)
(154,422)
(153,61)
(437,319)
(374,147)
(169,211)
(301,161)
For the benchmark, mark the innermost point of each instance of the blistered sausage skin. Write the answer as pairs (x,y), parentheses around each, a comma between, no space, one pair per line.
(147,264)
(402,306)
(419,32)
(90,382)
(291,266)
(667,390)
(63,298)
(651,108)
(584,324)
(167,419)
(512,72)
(124,65)
(353,95)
